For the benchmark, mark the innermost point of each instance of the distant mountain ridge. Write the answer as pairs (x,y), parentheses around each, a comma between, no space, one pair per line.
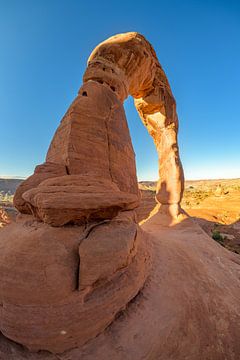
(151,185)
(9,186)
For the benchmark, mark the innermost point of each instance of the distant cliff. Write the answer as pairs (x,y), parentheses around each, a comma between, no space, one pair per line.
(8,186)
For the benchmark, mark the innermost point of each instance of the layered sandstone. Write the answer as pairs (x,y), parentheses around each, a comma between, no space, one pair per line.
(76,257)
(93,138)
(4,219)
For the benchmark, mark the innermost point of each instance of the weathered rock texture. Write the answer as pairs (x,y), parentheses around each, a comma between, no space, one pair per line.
(4,218)
(128,64)
(76,256)
(92,143)
(89,173)
(78,276)
(61,287)
(189,307)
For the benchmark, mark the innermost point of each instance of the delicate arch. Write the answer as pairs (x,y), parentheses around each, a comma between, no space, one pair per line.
(93,146)
(128,63)
(89,179)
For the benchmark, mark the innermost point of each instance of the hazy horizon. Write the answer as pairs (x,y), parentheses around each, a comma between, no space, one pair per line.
(139,180)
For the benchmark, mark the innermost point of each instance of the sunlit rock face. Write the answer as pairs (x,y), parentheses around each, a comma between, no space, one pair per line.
(91,162)
(76,256)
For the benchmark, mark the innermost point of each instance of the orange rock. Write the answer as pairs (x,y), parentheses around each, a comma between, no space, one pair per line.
(42,269)
(102,259)
(41,173)
(78,199)
(61,280)
(105,151)
(113,63)
(4,218)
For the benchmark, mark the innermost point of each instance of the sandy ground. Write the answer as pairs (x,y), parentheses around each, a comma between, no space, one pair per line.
(215,205)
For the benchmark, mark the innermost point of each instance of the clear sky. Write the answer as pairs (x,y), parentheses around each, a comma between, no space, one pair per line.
(44,46)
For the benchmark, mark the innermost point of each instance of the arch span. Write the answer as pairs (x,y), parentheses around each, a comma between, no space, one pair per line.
(129,65)
(71,274)
(93,145)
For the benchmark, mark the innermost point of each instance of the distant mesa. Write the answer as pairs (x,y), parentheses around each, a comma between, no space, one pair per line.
(9,185)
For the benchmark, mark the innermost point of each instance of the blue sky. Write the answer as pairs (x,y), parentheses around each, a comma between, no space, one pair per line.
(44,46)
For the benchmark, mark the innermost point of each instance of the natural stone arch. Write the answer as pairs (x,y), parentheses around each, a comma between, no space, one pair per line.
(129,65)
(123,64)
(71,274)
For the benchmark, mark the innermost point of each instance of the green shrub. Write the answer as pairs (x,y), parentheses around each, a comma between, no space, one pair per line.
(217,236)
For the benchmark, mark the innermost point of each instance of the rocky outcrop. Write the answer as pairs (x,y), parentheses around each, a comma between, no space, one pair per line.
(188,308)
(78,199)
(77,249)
(4,218)
(93,139)
(90,166)
(41,173)
(60,287)
(128,64)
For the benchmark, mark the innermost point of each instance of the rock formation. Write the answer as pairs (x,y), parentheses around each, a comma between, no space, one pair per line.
(79,277)
(4,218)
(122,65)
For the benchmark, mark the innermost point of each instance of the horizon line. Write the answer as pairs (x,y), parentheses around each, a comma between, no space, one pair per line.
(8,177)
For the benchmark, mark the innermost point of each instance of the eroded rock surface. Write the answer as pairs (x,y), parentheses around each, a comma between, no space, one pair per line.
(77,256)
(93,139)
(4,218)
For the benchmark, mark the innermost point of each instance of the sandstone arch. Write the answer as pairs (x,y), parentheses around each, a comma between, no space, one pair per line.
(129,65)
(122,65)
(89,182)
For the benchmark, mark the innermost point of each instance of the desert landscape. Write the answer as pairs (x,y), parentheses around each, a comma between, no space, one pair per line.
(214,205)
(96,265)
(7,189)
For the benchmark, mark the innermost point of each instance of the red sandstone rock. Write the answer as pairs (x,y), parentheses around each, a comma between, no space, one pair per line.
(57,282)
(42,268)
(41,173)
(102,259)
(97,117)
(78,199)
(189,307)
(148,84)
(4,219)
